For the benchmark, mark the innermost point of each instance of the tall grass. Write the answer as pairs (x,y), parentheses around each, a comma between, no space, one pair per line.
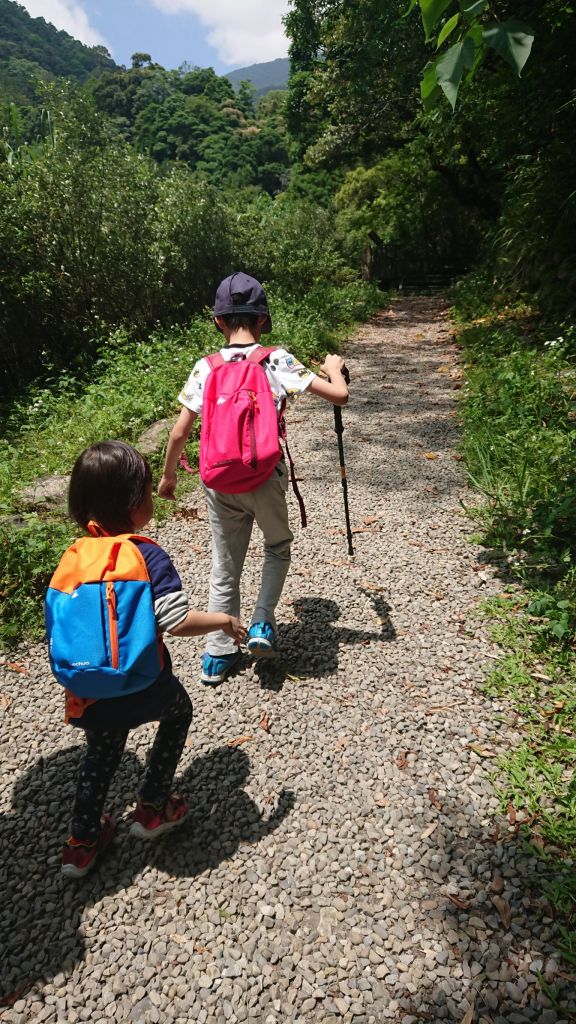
(519,443)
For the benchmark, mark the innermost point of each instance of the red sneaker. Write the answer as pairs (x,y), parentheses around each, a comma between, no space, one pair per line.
(149,822)
(79,858)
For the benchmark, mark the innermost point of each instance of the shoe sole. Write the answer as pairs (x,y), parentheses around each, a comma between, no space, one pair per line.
(69,871)
(138,830)
(214,680)
(261,649)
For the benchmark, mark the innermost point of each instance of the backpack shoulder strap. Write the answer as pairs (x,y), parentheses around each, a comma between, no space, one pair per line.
(215,360)
(260,354)
(293,481)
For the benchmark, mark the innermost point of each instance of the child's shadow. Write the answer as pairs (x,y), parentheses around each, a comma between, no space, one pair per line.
(40,919)
(309,647)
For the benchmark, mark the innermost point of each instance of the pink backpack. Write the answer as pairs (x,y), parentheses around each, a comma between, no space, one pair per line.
(239,434)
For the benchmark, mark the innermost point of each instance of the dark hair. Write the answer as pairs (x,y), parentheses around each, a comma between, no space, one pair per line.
(235,321)
(108,481)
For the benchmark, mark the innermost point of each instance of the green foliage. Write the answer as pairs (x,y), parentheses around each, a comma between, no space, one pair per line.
(27,557)
(195,117)
(520,433)
(407,202)
(291,244)
(96,237)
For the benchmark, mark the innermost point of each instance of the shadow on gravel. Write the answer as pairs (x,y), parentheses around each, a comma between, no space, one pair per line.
(309,648)
(41,931)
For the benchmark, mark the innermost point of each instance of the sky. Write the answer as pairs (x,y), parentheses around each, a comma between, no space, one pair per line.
(223,34)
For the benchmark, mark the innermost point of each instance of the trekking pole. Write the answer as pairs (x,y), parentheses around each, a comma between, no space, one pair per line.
(339,428)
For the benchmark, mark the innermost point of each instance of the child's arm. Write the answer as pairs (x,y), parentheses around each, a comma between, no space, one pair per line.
(178,436)
(198,623)
(335,389)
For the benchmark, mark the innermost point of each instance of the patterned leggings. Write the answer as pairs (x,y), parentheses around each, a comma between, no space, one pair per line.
(104,752)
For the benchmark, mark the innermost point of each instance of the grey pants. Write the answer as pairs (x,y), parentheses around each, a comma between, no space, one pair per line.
(231,518)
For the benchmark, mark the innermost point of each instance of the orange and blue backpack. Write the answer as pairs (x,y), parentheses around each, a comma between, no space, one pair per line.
(102,633)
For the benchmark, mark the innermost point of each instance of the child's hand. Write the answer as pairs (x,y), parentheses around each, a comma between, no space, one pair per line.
(331,363)
(167,487)
(234,628)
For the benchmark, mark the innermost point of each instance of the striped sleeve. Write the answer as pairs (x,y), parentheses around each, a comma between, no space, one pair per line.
(170,601)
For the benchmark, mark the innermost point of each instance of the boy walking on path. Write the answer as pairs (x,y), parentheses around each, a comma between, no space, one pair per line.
(241,314)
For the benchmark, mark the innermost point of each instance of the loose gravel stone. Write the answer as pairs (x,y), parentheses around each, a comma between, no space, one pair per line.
(312,881)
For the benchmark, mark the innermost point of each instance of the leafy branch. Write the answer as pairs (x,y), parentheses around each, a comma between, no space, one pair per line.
(473,29)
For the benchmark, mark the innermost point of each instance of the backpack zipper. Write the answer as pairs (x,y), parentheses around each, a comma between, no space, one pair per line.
(251,416)
(112,623)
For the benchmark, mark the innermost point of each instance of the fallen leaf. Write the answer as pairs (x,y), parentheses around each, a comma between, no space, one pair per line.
(180,939)
(482,751)
(428,831)
(461,904)
(15,667)
(511,811)
(381,801)
(469,1015)
(503,908)
(434,799)
(239,741)
(186,513)
(402,759)
(430,455)
(264,722)
(342,742)
(497,885)
(370,520)
(5,701)
(273,753)
(295,679)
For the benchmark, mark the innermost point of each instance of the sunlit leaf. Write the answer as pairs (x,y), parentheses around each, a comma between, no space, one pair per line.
(447,30)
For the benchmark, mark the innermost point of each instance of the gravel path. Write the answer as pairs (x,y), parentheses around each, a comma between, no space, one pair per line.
(341,862)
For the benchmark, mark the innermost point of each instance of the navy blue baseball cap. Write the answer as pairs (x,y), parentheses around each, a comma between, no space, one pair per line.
(240,293)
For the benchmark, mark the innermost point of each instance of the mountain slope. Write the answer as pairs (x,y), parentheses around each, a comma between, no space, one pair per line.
(33,44)
(272,74)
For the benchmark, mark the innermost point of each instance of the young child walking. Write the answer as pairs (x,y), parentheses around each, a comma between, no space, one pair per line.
(110,495)
(242,315)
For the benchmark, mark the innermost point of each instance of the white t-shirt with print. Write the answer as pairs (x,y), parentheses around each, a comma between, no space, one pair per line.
(288,378)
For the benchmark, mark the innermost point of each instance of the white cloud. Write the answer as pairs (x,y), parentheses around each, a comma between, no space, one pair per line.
(67,15)
(246,32)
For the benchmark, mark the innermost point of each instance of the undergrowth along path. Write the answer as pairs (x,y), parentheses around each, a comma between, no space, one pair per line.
(342,860)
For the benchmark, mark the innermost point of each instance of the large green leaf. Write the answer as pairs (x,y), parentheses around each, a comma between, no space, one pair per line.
(432,10)
(512,40)
(452,65)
